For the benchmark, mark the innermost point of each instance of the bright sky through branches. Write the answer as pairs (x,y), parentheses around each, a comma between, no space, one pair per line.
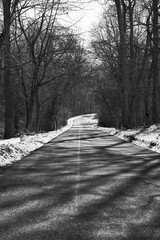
(80,20)
(84,19)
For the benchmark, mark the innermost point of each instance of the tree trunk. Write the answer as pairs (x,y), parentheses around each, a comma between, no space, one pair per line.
(55,122)
(125,109)
(9,83)
(131,63)
(37,123)
(30,109)
(121,13)
(155,56)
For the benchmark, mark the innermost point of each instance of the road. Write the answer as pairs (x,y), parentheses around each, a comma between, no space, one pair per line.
(83,185)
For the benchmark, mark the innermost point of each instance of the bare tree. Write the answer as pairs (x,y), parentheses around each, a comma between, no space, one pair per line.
(121,13)
(9,10)
(155,62)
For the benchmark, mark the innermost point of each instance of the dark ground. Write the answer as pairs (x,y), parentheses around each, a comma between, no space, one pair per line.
(83,185)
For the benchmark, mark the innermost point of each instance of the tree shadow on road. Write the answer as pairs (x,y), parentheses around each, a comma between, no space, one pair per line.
(109,190)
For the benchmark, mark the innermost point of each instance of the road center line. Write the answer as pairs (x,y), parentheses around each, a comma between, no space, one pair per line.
(79,153)
(78,164)
(79,144)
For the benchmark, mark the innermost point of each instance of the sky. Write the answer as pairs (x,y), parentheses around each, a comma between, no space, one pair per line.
(84,19)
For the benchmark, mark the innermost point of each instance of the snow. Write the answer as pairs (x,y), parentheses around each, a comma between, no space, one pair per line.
(14,149)
(147,137)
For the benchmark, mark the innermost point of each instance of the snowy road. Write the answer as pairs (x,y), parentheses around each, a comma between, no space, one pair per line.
(83,185)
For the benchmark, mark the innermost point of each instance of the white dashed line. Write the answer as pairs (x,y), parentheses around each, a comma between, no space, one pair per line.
(78,163)
(79,145)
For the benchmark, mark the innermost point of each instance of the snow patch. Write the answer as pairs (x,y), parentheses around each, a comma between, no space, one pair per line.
(14,149)
(148,137)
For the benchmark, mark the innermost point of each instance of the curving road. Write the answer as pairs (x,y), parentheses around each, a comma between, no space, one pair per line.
(83,185)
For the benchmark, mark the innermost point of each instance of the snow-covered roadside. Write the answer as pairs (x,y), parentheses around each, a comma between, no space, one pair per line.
(148,137)
(14,149)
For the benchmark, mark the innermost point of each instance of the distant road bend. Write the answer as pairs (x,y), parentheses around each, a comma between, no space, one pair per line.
(83,185)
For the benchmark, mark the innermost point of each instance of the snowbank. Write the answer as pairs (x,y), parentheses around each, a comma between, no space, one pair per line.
(148,137)
(14,149)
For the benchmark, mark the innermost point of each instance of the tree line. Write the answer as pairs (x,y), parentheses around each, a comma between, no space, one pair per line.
(43,64)
(47,75)
(126,47)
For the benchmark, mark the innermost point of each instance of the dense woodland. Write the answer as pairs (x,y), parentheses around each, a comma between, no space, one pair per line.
(127,44)
(47,75)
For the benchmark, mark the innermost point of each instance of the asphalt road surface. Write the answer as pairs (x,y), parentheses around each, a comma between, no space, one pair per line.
(83,185)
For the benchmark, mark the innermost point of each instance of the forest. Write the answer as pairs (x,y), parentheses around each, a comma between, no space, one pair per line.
(47,74)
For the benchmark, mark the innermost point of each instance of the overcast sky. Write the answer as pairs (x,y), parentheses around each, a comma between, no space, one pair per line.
(83,20)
